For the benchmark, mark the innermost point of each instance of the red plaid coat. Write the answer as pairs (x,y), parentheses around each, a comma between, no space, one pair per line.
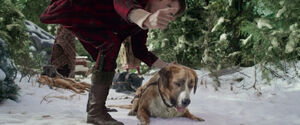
(101,25)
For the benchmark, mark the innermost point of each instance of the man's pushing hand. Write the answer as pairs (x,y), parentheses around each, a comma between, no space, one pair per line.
(161,18)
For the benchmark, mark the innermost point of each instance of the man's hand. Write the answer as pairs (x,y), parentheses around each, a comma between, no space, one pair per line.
(160,64)
(161,18)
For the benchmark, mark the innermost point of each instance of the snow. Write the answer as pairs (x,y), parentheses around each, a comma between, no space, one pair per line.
(280,12)
(2,75)
(223,37)
(81,68)
(276,103)
(220,21)
(263,23)
(245,41)
(32,28)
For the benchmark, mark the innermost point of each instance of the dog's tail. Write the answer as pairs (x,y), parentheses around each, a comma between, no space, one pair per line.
(121,106)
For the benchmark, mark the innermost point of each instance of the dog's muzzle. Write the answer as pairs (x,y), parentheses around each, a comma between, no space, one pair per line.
(185,102)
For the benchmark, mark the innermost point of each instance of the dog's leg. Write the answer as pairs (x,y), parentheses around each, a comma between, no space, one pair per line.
(120,106)
(191,116)
(134,107)
(68,85)
(131,113)
(75,90)
(49,82)
(143,116)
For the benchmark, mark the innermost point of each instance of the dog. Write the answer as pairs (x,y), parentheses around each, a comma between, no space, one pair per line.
(126,82)
(77,87)
(166,94)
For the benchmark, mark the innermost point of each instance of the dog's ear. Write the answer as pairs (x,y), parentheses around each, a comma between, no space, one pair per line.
(196,81)
(164,75)
(195,87)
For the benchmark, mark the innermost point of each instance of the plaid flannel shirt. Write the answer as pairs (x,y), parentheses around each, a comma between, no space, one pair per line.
(101,25)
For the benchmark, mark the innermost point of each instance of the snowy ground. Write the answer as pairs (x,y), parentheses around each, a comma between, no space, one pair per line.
(274,104)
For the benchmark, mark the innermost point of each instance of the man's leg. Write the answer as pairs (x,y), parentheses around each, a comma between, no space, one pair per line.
(102,78)
(97,113)
(64,52)
(109,44)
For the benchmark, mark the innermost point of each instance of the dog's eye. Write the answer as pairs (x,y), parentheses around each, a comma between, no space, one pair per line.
(190,86)
(178,84)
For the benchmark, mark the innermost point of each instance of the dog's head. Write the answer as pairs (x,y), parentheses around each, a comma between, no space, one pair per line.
(42,79)
(177,83)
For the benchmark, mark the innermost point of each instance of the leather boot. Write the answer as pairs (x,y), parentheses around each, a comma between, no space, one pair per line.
(97,113)
(106,108)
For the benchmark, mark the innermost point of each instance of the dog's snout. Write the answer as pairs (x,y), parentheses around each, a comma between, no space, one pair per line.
(186,102)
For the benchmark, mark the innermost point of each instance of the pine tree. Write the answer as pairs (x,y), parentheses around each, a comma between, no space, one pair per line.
(32,9)
(13,32)
(8,89)
(225,33)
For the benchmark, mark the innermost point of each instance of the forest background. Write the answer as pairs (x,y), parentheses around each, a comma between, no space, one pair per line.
(211,34)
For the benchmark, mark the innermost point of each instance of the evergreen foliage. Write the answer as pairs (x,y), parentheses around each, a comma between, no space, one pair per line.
(228,33)
(8,89)
(32,9)
(13,32)
(213,34)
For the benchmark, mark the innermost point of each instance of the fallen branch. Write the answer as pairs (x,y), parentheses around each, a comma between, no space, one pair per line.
(254,84)
(47,97)
(274,73)
(226,71)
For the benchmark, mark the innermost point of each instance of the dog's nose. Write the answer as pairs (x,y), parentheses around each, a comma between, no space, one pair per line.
(186,102)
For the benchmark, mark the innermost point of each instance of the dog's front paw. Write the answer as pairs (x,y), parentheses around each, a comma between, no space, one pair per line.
(132,113)
(143,123)
(198,119)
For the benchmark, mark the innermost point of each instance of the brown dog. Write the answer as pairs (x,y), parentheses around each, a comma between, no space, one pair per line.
(77,87)
(167,94)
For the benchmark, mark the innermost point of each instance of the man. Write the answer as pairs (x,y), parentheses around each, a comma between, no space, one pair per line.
(101,26)
(63,55)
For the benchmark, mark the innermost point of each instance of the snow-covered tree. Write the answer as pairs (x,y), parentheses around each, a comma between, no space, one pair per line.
(17,47)
(225,33)
(8,89)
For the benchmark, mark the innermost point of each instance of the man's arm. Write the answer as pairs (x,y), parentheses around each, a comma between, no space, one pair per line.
(160,64)
(157,20)
(141,51)
(132,11)
(124,7)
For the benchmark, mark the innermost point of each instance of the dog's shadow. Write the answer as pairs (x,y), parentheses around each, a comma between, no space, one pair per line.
(176,120)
